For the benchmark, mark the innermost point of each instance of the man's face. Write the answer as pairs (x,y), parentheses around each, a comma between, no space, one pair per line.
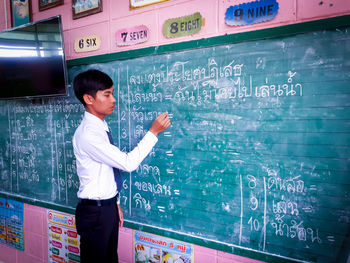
(103,103)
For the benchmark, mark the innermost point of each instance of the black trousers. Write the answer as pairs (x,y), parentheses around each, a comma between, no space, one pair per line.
(98,227)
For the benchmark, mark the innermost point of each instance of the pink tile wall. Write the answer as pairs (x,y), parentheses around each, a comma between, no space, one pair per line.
(117,15)
(8,255)
(205,255)
(313,9)
(35,228)
(2,16)
(125,250)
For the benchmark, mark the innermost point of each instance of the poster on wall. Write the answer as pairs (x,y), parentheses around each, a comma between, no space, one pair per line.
(21,12)
(63,237)
(11,224)
(149,248)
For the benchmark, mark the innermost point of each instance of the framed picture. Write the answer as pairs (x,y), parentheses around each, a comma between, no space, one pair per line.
(21,12)
(83,8)
(46,4)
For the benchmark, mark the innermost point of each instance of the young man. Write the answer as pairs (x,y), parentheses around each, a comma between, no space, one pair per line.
(97,214)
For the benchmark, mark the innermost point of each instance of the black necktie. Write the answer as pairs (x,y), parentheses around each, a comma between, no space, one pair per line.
(116,172)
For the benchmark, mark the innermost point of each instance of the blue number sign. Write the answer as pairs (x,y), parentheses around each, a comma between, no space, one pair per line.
(251,13)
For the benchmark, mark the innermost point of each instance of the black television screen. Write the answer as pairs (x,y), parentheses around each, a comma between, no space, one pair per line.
(32,61)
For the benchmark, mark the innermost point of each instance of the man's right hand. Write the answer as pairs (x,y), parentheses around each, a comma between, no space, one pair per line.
(160,124)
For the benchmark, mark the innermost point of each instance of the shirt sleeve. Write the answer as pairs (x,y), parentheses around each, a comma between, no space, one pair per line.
(98,148)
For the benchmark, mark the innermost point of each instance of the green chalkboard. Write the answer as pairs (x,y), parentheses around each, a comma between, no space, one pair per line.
(36,154)
(256,161)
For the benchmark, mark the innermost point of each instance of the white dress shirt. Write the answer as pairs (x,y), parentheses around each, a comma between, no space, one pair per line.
(96,157)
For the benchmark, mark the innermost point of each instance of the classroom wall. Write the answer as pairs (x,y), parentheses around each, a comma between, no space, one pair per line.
(116,15)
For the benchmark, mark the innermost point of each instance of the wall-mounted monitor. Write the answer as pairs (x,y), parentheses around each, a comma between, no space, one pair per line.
(32,60)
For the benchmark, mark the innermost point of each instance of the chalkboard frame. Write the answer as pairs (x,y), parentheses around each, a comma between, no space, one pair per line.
(287,30)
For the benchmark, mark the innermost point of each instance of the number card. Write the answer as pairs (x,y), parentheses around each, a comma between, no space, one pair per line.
(251,13)
(183,26)
(158,249)
(132,36)
(87,43)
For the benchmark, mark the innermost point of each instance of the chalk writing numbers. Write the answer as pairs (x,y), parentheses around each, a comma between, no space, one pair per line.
(123,116)
(252,181)
(124,134)
(254,224)
(253,203)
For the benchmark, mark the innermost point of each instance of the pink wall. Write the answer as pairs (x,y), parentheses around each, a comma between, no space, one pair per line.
(116,15)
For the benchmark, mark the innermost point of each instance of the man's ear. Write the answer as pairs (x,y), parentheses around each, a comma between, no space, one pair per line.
(88,99)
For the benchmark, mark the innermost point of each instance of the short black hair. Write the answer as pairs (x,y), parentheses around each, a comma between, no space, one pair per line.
(89,82)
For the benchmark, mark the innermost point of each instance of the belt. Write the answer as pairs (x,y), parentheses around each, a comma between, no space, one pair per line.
(102,202)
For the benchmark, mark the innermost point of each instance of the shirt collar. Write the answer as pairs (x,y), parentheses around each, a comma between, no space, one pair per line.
(101,124)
